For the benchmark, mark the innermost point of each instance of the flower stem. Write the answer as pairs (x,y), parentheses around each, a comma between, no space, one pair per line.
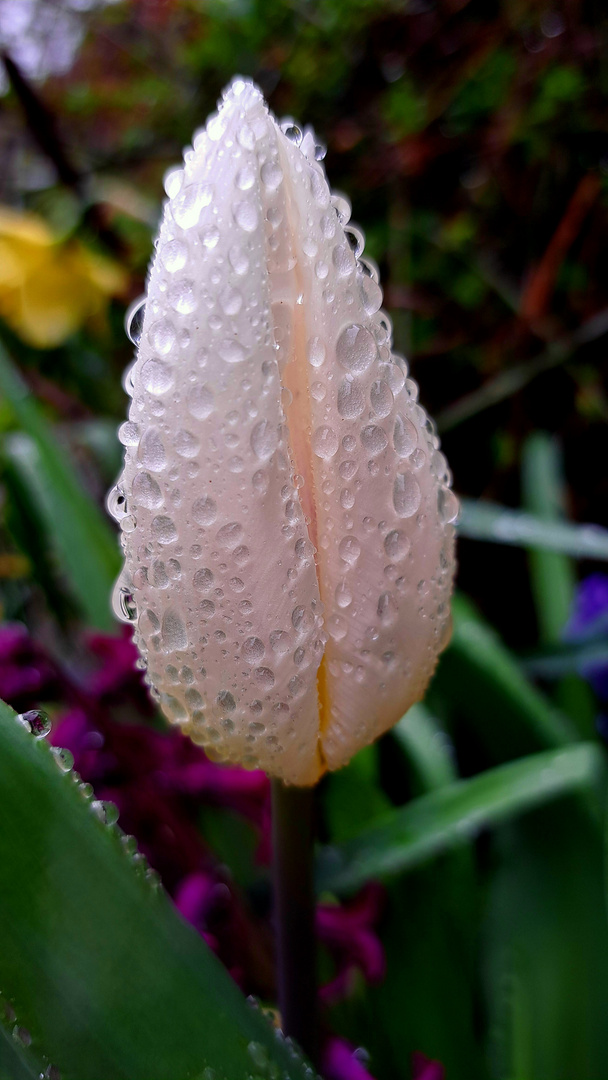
(292,838)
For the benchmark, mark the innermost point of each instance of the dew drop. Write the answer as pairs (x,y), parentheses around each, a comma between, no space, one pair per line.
(182,297)
(447,505)
(151,451)
(356,349)
(163,529)
(161,336)
(245,178)
(405,436)
(253,650)
(337,627)
(134,320)
(186,207)
(396,545)
(231,301)
(238,260)
(351,401)
(264,440)
(406,495)
(230,535)
(186,444)
(347,499)
(173,632)
(174,256)
(146,492)
(271,175)
(315,351)
(343,595)
(246,216)
(172,181)
(64,758)
(325,442)
(204,511)
(264,677)
(156,377)
(349,549)
(36,721)
(381,397)
(200,402)
(128,433)
(374,439)
(343,261)
(280,642)
(231,351)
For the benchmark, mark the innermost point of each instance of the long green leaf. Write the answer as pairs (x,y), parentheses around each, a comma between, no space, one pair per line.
(500,525)
(80,535)
(481,676)
(98,966)
(427,747)
(435,822)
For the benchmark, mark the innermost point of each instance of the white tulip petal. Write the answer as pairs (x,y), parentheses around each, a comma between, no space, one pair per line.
(276,456)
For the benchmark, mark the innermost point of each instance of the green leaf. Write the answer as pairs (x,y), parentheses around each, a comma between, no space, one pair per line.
(479,675)
(352,796)
(97,964)
(77,530)
(433,823)
(427,747)
(499,525)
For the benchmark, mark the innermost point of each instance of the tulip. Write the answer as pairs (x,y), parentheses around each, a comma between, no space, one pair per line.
(286,512)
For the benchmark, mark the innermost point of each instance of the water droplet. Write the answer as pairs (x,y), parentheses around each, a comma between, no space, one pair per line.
(200,402)
(229,536)
(238,260)
(146,492)
(172,181)
(210,237)
(264,677)
(187,205)
(246,216)
(173,632)
(406,495)
(123,604)
(280,642)
(36,721)
(356,349)
(321,270)
(315,351)
(388,609)
(349,549)
(151,451)
(325,442)
(203,579)
(107,812)
(347,469)
(396,545)
(161,336)
(343,595)
(231,351)
(381,397)
(226,701)
(405,436)
(64,758)
(447,505)
(116,503)
(134,320)
(292,132)
(186,444)
(156,377)
(128,433)
(21,1035)
(271,175)
(204,511)
(253,650)
(347,499)
(343,261)
(337,627)
(231,301)
(182,297)
(264,440)
(257,1052)
(174,256)
(245,178)
(259,482)
(163,529)
(351,400)
(374,439)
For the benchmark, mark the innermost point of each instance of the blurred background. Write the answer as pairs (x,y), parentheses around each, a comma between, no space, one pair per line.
(472,141)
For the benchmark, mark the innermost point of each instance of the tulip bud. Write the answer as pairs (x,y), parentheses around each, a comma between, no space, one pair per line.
(286,512)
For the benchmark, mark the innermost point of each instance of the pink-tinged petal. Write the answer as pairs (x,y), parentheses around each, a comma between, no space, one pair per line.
(286,515)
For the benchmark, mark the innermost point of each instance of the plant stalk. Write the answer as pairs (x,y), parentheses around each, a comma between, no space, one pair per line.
(294,910)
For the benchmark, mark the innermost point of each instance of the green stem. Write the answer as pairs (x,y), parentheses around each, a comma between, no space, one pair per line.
(292,837)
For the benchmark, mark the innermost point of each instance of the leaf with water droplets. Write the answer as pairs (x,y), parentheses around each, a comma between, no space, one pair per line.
(80,917)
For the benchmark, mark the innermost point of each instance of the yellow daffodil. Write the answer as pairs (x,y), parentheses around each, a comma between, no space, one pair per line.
(48,289)
(286,512)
